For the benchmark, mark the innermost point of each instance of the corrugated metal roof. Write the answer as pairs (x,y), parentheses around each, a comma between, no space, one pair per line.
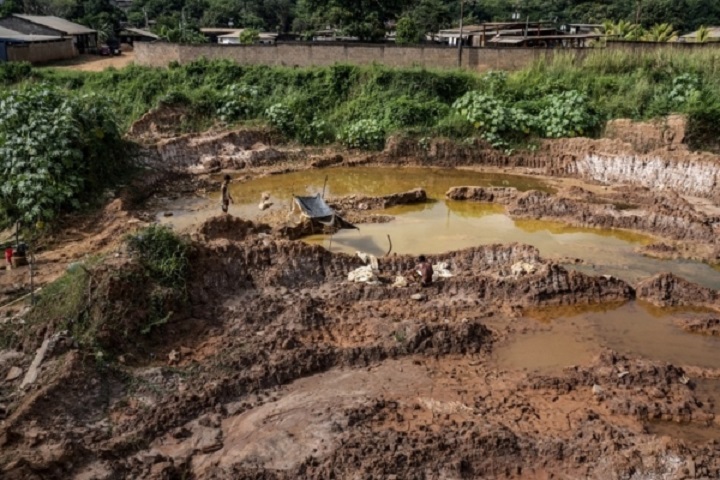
(57,23)
(7,34)
(264,35)
(141,32)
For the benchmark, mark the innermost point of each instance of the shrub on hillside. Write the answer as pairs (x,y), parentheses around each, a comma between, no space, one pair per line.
(494,118)
(237,102)
(566,114)
(366,134)
(56,152)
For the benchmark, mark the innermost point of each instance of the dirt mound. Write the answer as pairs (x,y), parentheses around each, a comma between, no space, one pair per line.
(502,195)
(703,326)
(668,132)
(356,202)
(230,228)
(669,290)
(160,122)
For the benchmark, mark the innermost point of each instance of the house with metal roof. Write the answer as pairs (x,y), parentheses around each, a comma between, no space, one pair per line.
(17,46)
(83,38)
(131,35)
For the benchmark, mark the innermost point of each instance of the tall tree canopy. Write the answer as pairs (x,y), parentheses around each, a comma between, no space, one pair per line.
(369,19)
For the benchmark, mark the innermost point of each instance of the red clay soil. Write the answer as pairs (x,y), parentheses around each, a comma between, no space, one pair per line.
(276,366)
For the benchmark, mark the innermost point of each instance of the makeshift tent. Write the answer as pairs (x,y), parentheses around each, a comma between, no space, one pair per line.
(316,209)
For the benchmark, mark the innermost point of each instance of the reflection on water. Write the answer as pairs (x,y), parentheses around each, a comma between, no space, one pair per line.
(651,333)
(445,226)
(439,225)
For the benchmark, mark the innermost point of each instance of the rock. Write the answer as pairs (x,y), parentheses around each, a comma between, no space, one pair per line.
(14,373)
(419,297)
(168,214)
(174,356)
(597,389)
(32,372)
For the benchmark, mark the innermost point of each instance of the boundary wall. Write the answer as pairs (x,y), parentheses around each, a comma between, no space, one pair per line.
(301,54)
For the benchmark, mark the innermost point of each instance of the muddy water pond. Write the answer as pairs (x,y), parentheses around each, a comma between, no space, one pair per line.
(571,336)
(440,225)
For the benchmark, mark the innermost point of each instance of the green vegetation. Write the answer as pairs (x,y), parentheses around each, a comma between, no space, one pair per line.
(70,149)
(109,309)
(249,36)
(357,105)
(57,151)
(368,20)
(162,254)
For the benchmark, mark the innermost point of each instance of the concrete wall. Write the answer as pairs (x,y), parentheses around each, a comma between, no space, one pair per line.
(300,54)
(306,54)
(42,52)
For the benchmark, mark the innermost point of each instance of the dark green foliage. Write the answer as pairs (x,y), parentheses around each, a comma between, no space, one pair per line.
(565,96)
(13,72)
(57,151)
(163,254)
(408,31)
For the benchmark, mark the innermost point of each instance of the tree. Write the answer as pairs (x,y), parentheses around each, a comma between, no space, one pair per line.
(249,36)
(407,31)
(56,151)
(431,16)
(703,34)
(663,32)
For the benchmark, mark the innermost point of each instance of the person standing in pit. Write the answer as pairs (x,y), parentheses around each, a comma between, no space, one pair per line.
(227,199)
(425,270)
(8,255)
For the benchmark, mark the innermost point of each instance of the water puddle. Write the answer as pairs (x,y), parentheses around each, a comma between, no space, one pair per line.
(547,350)
(573,336)
(440,225)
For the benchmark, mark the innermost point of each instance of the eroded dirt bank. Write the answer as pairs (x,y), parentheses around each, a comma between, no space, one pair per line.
(641,176)
(277,366)
(281,368)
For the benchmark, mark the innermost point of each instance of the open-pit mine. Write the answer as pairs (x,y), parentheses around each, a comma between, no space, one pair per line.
(572,330)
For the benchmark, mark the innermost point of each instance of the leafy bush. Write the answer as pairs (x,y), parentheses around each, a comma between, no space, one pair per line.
(406,111)
(684,88)
(566,114)
(237,102)
(249,36)
(366,133)
(282,118)
(56,151)
(13,72)
(317,132)
(163,254)
(495,119)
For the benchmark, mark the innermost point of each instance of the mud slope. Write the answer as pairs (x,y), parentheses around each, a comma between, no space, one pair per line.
(281,368)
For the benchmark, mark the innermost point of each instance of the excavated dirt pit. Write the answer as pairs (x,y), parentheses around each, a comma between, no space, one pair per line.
(441,225)
(553,357)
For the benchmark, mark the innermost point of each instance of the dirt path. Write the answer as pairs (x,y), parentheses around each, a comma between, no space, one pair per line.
(94,63)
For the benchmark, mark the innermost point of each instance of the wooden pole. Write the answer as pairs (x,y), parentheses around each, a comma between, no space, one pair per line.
(460,37)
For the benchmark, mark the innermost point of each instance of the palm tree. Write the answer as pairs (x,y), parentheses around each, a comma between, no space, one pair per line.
(703,34)
(661,33)
(635,32)
(622,30)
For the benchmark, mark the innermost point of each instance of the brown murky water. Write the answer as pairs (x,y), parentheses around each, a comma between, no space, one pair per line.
(440,225)
(574,336)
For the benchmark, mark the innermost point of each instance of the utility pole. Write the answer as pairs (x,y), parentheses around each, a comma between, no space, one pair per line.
(460,37)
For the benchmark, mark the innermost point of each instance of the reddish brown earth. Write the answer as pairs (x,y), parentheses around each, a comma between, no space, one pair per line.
(275,366)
